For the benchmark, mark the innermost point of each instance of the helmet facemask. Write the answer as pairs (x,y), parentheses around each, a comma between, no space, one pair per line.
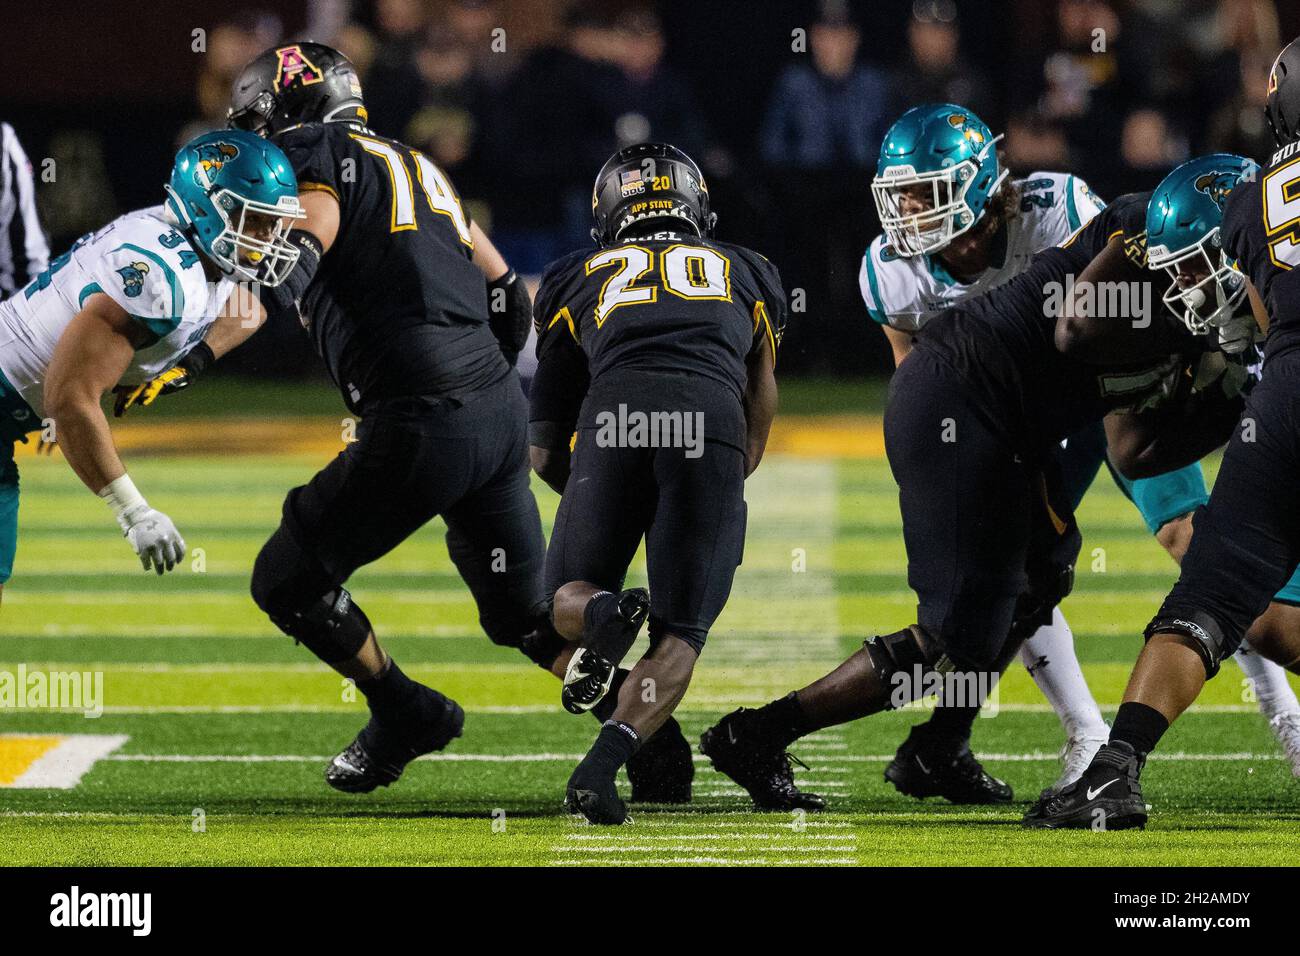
(1203,303)
(253,244)
(949,214)
(255,117)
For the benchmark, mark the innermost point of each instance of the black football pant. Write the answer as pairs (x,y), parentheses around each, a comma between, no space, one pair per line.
(990,536)
(690,510)
(1246,540)
(415,458)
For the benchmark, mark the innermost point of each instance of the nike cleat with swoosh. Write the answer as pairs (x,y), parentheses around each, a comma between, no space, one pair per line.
(954,774)
(593,665)
(764,771)
(1107,797)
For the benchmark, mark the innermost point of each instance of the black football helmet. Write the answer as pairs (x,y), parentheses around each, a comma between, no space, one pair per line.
(293,84)
(649,181)
(1282,108)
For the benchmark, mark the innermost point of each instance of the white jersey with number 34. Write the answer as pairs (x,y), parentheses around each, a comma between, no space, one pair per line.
(142,263)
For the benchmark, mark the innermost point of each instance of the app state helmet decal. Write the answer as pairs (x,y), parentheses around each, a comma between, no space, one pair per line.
(1217,185)
(133,277)
(295,68)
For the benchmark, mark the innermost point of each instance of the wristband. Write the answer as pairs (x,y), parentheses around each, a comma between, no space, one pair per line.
(121,495)
(197,359)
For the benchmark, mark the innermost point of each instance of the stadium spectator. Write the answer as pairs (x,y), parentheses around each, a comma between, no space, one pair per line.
(829,110)
(821,139)
(230,45)
(934,70)
(1033,142)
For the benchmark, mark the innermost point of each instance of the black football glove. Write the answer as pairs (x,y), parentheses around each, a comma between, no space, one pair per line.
(510,313)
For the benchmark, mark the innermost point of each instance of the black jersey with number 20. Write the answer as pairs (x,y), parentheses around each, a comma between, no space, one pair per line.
(667,320)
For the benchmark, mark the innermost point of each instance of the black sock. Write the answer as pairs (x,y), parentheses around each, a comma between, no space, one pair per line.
(393,697)
(782,722)
(947,729)
(614,746)
(609,703)
(601,609)
(1139,726)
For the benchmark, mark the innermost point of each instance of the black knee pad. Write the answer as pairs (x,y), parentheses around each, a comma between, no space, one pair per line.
(1207,637)
(903,652)
(332,627)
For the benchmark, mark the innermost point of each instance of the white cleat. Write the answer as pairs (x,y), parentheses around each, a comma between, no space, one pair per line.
(1076,755)
(1286,727)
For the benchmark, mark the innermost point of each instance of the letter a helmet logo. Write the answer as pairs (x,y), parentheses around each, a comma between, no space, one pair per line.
(295,68)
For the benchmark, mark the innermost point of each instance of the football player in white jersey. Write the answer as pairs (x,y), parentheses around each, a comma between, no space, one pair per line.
(955,226)
(124,304)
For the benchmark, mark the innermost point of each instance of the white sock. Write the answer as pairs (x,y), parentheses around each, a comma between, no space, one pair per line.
(1049,657)
(1272,690)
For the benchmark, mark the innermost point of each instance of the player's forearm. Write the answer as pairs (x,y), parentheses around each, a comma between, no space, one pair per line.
(760,411)
(1155,442)
(548,452)
(489,261)
(85,439)
(242,316)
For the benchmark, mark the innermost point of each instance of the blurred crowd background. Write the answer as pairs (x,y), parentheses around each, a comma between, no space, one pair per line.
(783,102)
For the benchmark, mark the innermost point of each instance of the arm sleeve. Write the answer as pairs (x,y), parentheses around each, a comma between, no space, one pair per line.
(28,248)
(770,309)
(558,387)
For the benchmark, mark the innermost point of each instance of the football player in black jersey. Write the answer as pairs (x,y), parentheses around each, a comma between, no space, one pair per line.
(990,536)
(1246,541)
(652,402)
(419,321)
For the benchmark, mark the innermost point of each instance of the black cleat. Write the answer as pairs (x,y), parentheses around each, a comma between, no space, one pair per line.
(596,798)
(380,753)
(593,665)
(1107,797)
(764,771)
(662,770)
(957,777)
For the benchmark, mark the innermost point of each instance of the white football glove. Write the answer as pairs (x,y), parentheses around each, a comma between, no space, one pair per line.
(1237,334)
(154,537)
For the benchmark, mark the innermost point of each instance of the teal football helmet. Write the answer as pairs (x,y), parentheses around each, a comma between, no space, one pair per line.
(235,195)
(947,151)
(1183,220)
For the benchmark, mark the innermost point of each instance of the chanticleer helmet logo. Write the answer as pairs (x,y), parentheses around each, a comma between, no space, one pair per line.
(960,121)
(1216,185)
(212,156)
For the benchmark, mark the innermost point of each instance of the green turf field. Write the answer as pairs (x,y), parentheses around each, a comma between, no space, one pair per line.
(219,727)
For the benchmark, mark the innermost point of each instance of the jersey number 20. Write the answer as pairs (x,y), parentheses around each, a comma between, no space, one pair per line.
(689,272)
